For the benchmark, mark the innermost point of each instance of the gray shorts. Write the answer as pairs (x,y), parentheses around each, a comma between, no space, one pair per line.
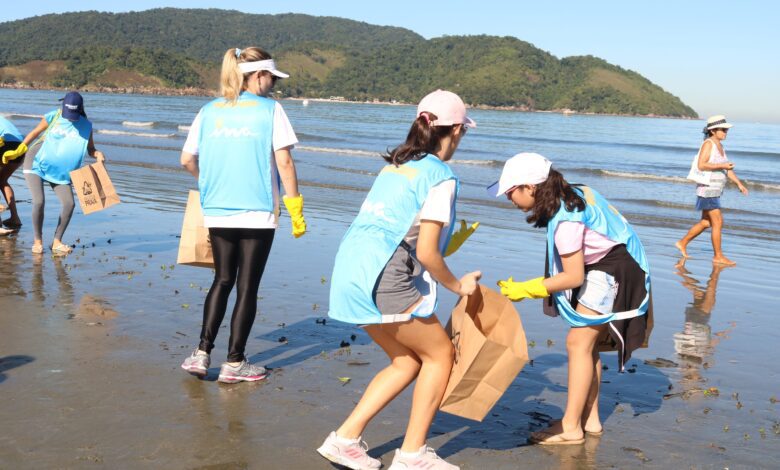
(395,289)
(598,292)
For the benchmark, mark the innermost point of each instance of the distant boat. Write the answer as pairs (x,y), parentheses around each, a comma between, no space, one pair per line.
(306,102)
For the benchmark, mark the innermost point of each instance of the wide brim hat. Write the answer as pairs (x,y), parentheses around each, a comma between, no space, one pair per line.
(717,122)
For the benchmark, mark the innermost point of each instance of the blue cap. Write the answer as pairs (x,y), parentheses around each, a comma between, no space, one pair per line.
(73,106)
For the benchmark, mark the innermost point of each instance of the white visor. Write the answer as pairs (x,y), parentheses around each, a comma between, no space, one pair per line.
(268,65)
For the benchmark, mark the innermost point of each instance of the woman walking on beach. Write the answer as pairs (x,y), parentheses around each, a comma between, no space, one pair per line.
(385,279)
(10,141)
(714,163)
(238,148)
(67,137)
(597,278)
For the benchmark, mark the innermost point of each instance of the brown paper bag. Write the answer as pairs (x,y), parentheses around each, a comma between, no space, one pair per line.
(94,188)
(490,350)
(195,245)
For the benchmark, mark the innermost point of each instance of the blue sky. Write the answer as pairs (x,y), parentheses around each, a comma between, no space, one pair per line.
(720,57)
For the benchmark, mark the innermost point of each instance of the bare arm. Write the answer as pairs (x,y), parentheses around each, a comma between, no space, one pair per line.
(190,163)
(286,167)
(573,274)
(93,152)
(42,126)
(733,177)
(704,157)
(430,257)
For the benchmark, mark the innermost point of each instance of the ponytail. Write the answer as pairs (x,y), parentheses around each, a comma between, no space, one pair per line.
(423,138)
(548,196)
(232,81)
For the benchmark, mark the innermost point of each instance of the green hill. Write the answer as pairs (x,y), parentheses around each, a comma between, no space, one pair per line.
(326,56)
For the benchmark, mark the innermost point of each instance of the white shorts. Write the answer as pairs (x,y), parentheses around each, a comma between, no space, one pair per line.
(598,292)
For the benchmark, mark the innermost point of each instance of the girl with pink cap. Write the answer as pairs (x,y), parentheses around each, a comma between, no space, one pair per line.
(385,279)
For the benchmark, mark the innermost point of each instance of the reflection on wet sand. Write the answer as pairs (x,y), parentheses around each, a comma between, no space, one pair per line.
(581,457)
(694,344)
(62,291)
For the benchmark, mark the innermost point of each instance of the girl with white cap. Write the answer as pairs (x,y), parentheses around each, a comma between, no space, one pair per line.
(597,278)
(385,279)
(238,148)
(716,167)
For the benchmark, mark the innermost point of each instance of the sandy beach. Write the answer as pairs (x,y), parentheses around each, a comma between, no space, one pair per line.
(90,378)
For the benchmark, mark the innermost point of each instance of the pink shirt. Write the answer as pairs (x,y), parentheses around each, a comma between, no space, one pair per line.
(574,236)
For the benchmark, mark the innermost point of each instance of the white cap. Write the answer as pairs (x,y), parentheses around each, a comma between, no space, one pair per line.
(523,168)
(268,65)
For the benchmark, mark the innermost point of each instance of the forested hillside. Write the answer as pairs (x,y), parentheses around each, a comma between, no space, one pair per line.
(326,56)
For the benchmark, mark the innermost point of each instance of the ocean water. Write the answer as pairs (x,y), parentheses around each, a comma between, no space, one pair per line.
(709,322)
(640,164)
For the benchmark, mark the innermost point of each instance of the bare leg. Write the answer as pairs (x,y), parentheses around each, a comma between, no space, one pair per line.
(716,217)
(590,416)
(694,232)
(386,385)
(8,192)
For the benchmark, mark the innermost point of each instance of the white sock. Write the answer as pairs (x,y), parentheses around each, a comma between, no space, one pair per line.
(411,455)
(344,440)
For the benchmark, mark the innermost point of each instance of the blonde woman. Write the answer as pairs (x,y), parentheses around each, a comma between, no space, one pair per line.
(238,148)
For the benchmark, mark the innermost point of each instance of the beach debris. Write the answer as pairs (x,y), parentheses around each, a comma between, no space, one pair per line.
(717,447)
(282,339)
(185,305)
(323,280)
(739,405)
(315,306)
(776,428)
(175,292)
(357,363)
(735,395)
(619,409)
(344,344)
(353,337)
(762,433)
(632,369)
(550,343)
(180,333)
(638,453)
(660,362)
(725,428)
(707,410)
(123,273)
(773,399)
(746,436)
(281,325)
(109,241)
(320,321)
(532,344)
(344,380)
(712,392)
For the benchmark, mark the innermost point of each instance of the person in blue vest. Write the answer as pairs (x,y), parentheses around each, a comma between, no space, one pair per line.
(10,140)
(597,279)
(67,138)
(238,148)
(386,276)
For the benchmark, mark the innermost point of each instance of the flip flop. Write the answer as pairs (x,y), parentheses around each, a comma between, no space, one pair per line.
(37,249)
(554,440)
(61,250)
(6,231)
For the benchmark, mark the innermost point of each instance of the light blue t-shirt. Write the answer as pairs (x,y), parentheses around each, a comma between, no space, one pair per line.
(63,149)
(9,132)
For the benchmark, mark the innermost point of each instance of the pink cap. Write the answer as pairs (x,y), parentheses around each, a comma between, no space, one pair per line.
(448,108)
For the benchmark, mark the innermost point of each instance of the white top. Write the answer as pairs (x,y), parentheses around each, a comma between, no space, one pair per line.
(718,178)
(283,137)
(437,207)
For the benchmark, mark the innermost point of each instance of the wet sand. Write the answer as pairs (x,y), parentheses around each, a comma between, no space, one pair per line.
(91,347)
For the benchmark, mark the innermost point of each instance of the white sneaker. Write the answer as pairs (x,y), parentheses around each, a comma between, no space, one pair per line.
(424,459)
(351,453)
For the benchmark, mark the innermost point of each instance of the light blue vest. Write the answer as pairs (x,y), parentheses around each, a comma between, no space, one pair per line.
(63,149)
(600,216)
(235,152)
(385,218)
(9,132)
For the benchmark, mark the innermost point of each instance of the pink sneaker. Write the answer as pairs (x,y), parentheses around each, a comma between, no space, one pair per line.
(350,453)
(424,459)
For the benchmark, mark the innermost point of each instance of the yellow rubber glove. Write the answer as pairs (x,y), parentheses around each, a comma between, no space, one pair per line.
(14,154)
(2,141)
(294,206)
(459,237)
(517,291)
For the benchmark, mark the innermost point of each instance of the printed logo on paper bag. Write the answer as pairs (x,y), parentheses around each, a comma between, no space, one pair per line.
(86,191)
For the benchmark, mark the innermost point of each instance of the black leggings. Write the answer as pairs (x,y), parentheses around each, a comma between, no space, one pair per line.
(239,254)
